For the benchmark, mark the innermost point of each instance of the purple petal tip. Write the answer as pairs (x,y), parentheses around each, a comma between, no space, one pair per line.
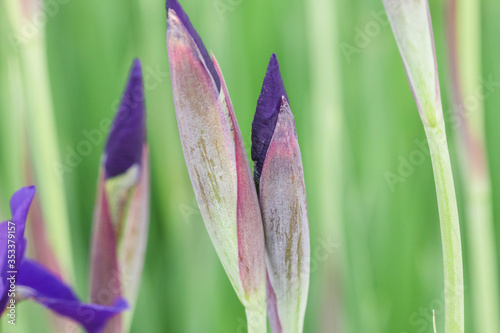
(266,115)
(128,133)
(20,203)
(184,18)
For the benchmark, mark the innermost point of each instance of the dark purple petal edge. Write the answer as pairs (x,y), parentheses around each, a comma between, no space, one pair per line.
(47,289)
(128,133)
(266,115)
(177,8)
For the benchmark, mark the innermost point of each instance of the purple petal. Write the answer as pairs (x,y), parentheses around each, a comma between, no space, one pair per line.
(124,146)
(19,205)
(47,289)
(177,8)
(266,115)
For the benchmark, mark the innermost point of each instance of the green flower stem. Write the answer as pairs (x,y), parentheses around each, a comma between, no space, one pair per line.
(11,129)
(326,139)
(484,274)
(450,229)
(464,34)
(256,320)
(411,24)
(43,140)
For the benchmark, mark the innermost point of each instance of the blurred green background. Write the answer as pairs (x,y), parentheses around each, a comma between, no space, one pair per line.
(376,262)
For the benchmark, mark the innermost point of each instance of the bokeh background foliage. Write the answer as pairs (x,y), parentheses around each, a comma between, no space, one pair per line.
(376,253)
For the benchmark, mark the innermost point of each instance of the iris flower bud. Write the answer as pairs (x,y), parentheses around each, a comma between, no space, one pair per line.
(280,179)
(217,164)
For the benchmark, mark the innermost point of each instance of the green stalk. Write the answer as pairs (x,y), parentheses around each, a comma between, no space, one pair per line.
(326,140)
(43,139)
(450,228)
(412,28)
(11,115)
(256,320)
(465,58)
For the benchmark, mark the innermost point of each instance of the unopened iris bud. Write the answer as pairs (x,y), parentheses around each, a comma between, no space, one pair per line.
(217,164)
(121,216)
(280,179)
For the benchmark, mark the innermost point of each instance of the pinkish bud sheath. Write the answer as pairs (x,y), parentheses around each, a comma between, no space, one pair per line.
(206,141)
(284,210)
(250,231)
(104,258)
(133,242)
(217,162)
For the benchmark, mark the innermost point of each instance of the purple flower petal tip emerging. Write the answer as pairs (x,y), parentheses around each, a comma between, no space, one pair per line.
(125,142)
(266,115)
(177,8)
